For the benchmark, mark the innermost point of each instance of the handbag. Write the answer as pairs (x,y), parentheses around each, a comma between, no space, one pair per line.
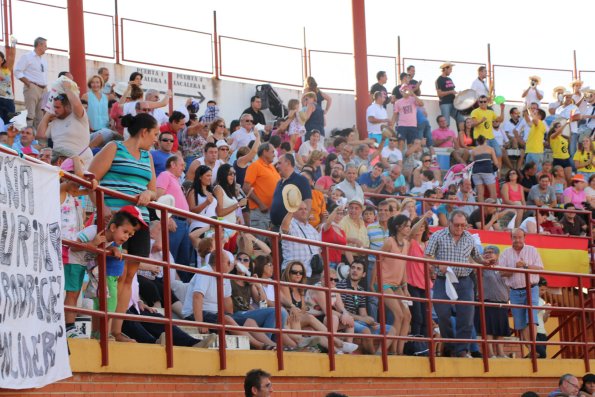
(416,348)
(316,263)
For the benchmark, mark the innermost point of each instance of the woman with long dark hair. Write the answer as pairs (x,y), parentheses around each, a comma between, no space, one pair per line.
(227,194)
(201,201)
(394,276)
(127,167)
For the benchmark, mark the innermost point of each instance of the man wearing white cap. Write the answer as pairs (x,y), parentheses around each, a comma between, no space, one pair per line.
(570,111)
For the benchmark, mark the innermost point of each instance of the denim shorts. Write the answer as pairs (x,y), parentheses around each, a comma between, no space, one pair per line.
(494,145)
(360,327)
(519,297)
(407,133)
(483,178)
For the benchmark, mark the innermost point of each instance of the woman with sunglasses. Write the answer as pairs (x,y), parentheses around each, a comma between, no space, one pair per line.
(394,277)
(227,194)
(217,131)
(201,201)
(342,320)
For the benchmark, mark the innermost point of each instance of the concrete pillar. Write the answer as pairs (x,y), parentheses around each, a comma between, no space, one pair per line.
(360,58)
(76,40)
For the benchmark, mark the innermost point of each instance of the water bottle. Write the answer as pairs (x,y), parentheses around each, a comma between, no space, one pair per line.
(13,41)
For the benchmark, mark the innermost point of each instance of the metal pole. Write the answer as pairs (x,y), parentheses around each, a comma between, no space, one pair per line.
(575,74)
(360,58)
(117,31)
(76,40)
(216,45)
(169,340)
(170,87)
(278,318)
(102,285)
(305,57)
(6,32)
(220,298)
(491,80)
(399,60)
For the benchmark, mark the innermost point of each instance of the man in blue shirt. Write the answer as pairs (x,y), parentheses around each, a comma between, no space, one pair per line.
(160,156)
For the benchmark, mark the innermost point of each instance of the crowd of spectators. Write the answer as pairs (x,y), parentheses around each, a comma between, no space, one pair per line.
(294,177)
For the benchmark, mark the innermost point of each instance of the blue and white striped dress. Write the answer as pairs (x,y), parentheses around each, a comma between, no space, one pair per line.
(128,175)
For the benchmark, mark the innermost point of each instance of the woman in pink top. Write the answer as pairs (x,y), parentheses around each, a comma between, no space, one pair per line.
(575,194)
(416,280)
(394,277)
(512,194)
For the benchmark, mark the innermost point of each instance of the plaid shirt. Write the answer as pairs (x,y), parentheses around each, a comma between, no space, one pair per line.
(300,252)
(443,247)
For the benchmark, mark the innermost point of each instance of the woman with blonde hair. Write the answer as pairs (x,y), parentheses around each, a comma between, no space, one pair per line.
(217,131)
(408,208)
(97,109)
(315,162)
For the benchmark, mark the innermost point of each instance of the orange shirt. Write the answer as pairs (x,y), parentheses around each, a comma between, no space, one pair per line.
(263,178)
(318,207)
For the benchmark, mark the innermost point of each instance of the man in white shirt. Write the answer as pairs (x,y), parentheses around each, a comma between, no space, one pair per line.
(589,114)
(570,111)
(479,84)
(516,130)
(376,115)
(244,135)
(532,94)
(391,153)
(152,95)
(32,70)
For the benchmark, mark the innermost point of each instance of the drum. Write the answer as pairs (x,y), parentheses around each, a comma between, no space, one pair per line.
(466,101)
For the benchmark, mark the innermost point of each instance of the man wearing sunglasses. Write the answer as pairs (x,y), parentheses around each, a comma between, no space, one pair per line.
(160,156)
(244,135)
(482,123)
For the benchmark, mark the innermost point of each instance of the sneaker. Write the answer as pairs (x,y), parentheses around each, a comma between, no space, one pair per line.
(207,342)
(349,347)
(476,355)
(75,334)
(309,341)
(464,354)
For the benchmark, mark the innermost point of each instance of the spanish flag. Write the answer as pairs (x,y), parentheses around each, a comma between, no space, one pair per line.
(558,253)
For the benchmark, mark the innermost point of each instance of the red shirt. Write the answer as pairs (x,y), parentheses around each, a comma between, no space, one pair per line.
(331,236)
(167,128)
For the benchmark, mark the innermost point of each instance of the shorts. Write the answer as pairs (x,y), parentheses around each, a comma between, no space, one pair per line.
(564,163)
(112,291)
(483,178)
(519,297)
(376,137)
(139,244)
(207,317)
(493,143)
(407,133)
(73,277)
(360,327)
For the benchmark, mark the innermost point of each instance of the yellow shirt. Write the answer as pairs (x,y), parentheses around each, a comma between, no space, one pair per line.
(484,128)
(354,230)
(535,138)
(559,147)
(586,156)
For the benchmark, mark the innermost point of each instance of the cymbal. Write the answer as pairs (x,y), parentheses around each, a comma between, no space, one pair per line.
(465,99)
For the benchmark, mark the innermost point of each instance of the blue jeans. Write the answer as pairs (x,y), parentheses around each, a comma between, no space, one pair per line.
(419,323)
(424,130)
(264,318)
(179,242)
(519,297)
(448,110)
(572,148)
(464,323)
(537,158)
(494,145)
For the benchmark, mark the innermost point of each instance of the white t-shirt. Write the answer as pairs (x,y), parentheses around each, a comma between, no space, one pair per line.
(566,112)
(532,96)
(376,111)
(583,106)
(160,116)
(479,87)
(500,136)
(207,286)
(241,138)
(393,156)
(72,135)
(218,163)
(590,111)
(522,128)
(307,148)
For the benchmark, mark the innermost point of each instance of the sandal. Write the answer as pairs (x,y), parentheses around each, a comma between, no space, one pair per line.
(269,347)
(122,337)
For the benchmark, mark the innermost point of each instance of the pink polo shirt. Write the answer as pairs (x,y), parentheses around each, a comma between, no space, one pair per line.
(440,133)
(168,182)
(510,257)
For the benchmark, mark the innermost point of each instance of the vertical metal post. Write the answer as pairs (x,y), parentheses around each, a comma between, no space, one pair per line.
(574,70)
(102,285)
(278,317)
(428,314)
(399,60)
(6,35)
(489,66)
(170,87)
(169,340)
(306,70)
(216,45)
(581,299)
(382,315)
(532,320)
(329,318)
(76,41)
(360,58)
(220,298)
(117,31)
(482,321)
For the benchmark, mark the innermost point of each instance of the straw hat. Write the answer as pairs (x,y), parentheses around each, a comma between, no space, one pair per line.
(558,90)
(576,82)
(536,78)
(166,199)
(362,169)
(567,93)
(447,65)
(292,198)
(356,200)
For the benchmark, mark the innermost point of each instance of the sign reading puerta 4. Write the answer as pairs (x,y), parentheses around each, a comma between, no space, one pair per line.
(33,350)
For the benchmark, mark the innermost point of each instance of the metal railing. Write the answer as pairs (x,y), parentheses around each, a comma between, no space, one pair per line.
(585,314)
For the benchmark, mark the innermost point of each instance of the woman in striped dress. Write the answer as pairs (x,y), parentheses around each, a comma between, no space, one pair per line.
(127,167)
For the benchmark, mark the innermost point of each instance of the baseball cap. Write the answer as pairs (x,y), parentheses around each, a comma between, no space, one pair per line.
(135,212)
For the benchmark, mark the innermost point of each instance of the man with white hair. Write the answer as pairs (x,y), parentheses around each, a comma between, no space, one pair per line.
(152,95)
(32,70)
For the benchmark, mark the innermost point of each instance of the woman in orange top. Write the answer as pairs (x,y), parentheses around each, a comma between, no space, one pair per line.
(394,277)
(318,213)
(465,136)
